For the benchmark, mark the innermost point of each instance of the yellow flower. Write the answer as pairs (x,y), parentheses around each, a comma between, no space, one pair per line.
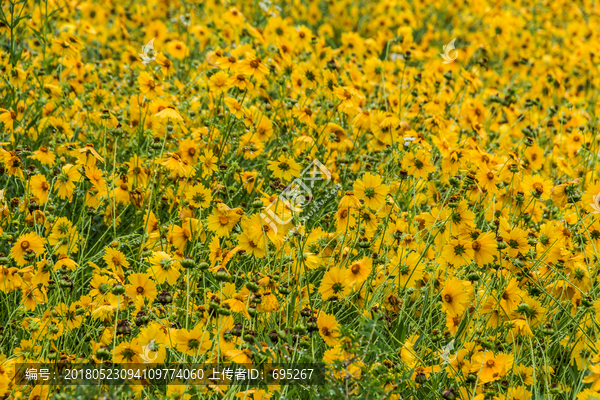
(128,352)
(208,163)
(65,181)
(89,155)
(149,86)
(348,98)
(166,66)
(253,66)
(219,83)
(490,367)
(535,157)
(588,394)
(229,63)
(114,258)
(27,247)
(44,156)
(327,325)
(235,107)
(517,242)
(284,168)
(164,267)
(458,252)
(180,235)
(487,180)
(371,190)
(257,249)
(537,186)
(305,115)
(408,268)
(176,164)
(417,164)
(454,297)
(8,118)
(193,342)
(177,49)
(94,174)
(64,237)
(249,180)
(169,113)
(264,129)
(32,297)
(65,262)
(261,233)
(511,297)
(359,271)
(269,303)
(141,285)
(199,196)
(241,82)
(40,188)
(484,248)
(334,284)
(222,220)
(250,146)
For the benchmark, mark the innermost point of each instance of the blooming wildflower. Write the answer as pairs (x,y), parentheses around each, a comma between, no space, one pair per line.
(28,245)
(371,190)
(177,49)
(128,352)
(40,188)
(454,297)
(222,220)
(328,328)
(335,284)
(490,367)
(284,168)
(458,252)
(219,83)
(8,118)
(484,247)
(208,163)
(142,285)
(115,259)
(164,267)
(149,86)
(199,196)
(166,66)
(359,271)
(253,66)
(45,156)
(193,342)
(65,182)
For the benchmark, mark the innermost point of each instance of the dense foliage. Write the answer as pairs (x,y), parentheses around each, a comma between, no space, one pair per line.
(446,250)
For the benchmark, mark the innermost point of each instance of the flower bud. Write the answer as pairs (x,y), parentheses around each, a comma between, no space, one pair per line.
(253,287)
(118,290)
(449,394)
(187,263)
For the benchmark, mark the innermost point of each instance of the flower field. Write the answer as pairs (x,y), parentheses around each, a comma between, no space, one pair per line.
(402,192)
